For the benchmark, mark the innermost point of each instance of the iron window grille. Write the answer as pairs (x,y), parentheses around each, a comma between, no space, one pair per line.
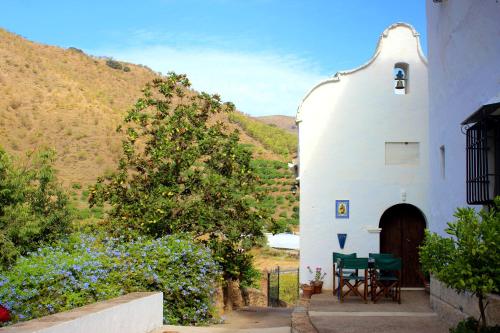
(483,161)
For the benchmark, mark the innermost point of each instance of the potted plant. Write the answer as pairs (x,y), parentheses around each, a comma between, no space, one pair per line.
(317,282)
(307,290)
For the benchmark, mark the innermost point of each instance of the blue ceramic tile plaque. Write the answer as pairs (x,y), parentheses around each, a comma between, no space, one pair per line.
(342,209)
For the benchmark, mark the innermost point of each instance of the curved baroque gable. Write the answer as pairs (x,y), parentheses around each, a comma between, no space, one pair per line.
(337,76)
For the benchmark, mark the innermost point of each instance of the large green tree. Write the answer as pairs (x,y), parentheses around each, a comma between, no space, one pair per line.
(33,208)
(183,171)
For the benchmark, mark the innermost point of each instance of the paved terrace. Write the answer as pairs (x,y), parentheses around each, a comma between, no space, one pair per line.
(246,320)
(414,314)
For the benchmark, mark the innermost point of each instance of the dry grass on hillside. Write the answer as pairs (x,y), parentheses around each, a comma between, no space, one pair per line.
(66,100)
(284,122)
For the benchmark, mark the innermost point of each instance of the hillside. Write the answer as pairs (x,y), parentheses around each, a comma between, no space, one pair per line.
(72,102)
(284,122)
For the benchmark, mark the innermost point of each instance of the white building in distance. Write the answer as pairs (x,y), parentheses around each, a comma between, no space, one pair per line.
(363,151)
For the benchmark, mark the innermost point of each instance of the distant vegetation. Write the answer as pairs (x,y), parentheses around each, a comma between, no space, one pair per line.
(271,137)
(117,65)
(75,49)
(276,180)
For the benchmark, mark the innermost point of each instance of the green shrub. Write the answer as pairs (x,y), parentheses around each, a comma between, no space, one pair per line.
(468,260)
(86,269)
(126,69)
(33,208)
(114,64)
(76,186)
(85,195)
(471,325)
(279,226)
(75,49)
(83,214)
(97,212)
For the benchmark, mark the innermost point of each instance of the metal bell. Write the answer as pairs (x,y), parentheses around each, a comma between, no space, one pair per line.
(400,77)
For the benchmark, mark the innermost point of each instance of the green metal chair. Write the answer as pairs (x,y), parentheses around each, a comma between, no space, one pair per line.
(386,280)
(380,255)
(336,257)
(353,280)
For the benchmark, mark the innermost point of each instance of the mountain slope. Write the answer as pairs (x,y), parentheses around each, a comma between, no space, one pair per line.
(72,102)
(284,122)
(66,100)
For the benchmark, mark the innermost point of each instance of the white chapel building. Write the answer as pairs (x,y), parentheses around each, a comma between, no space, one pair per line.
(363,152)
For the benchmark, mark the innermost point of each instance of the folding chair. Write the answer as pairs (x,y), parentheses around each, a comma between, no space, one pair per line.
(387,279)
(336,257)
(380,255)
(353,280)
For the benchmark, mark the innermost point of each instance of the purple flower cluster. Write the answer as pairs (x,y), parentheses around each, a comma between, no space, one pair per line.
(86,269)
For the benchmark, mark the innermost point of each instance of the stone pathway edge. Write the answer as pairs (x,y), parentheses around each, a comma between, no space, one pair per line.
(300,319)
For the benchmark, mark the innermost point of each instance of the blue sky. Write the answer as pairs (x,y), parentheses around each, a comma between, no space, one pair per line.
(263,55)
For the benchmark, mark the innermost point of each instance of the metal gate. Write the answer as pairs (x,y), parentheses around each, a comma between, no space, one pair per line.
(282,287)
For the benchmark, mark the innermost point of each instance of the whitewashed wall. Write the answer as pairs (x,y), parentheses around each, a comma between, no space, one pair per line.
(464,73)
(138,312)
(344,123)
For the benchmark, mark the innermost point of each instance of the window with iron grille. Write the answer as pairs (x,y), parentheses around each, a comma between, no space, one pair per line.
(483,161)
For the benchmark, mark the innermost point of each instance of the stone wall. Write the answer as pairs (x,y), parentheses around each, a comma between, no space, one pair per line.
(132,313)
(453,307)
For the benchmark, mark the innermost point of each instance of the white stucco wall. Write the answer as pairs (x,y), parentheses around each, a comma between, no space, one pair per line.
(138,312)
(344,124)
(464,73)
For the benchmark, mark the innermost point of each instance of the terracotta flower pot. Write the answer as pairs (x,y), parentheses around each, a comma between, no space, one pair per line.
(307,291)
(318,286)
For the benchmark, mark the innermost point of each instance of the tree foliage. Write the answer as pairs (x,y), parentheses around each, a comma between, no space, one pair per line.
(182,171)
(468,260)
(33,208)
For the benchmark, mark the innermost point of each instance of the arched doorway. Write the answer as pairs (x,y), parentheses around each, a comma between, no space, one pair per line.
(402,233)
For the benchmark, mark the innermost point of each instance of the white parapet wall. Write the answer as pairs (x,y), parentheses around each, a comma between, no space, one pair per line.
(140,312)
(453,307)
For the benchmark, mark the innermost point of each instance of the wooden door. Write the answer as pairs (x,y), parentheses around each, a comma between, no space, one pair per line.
(402,233)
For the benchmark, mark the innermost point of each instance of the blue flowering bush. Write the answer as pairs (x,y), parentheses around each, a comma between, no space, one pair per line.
(84,269)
